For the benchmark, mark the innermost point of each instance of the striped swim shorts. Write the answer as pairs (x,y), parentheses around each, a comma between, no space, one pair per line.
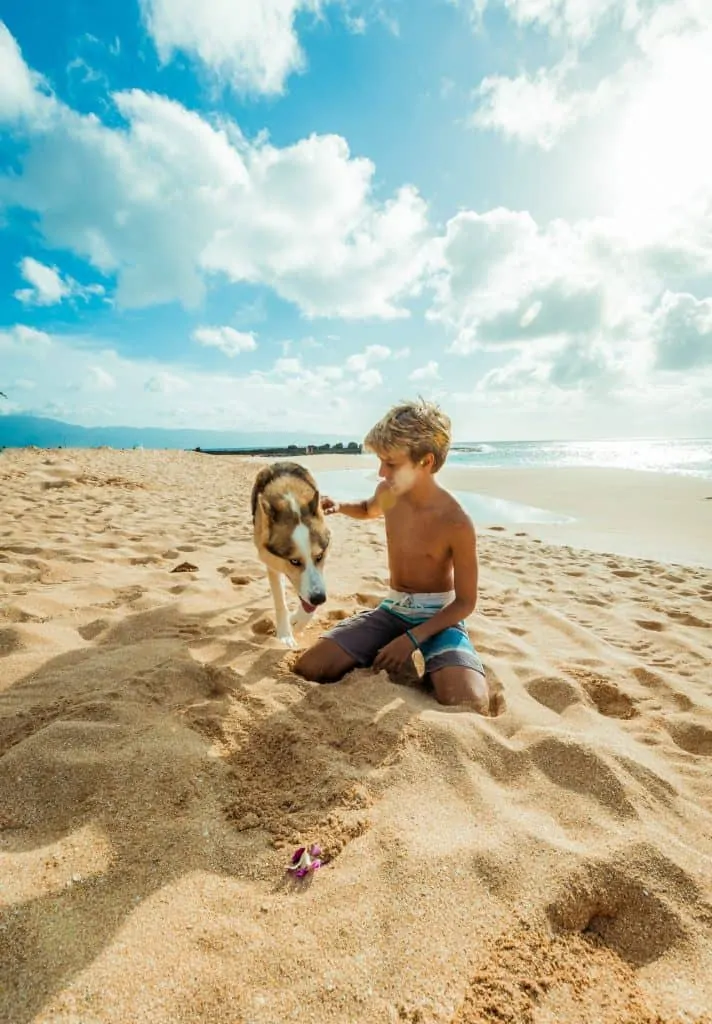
(363,635)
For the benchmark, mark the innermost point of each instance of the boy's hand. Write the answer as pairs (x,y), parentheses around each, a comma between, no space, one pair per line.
(394,655)
(329,506)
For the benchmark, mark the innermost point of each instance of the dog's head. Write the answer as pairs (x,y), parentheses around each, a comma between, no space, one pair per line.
(295,541)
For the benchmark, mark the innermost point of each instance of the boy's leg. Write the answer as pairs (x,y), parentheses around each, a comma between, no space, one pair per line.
(458,685)
(353,643)
(456,670)
(325,662)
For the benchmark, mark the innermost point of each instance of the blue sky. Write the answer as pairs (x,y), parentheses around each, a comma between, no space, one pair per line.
(289,214)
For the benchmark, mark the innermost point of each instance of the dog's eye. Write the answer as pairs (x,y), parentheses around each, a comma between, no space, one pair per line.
(319,557)
(296,562)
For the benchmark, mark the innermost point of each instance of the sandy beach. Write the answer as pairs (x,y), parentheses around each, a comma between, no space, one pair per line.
(159,762)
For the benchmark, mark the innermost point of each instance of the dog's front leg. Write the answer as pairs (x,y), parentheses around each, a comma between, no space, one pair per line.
(282,624)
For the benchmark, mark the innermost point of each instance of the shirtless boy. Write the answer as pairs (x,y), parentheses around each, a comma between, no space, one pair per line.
(432,558)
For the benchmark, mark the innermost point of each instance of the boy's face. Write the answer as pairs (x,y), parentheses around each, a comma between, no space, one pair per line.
(399,471)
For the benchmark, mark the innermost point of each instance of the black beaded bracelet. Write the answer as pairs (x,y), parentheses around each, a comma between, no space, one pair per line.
(412,639)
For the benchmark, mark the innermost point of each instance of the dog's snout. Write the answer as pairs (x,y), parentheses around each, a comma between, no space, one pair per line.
(317,598)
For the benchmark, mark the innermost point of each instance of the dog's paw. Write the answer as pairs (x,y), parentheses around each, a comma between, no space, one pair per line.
(300,619)
(284,635)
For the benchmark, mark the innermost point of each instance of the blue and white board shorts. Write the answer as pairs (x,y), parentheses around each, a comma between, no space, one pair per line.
(363,635)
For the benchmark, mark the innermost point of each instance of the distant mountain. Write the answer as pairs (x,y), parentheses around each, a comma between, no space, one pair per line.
(20,431)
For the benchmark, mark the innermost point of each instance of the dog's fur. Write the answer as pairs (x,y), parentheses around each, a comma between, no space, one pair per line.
(292,540)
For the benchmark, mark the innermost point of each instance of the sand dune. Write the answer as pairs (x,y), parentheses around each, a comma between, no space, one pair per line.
(159,762)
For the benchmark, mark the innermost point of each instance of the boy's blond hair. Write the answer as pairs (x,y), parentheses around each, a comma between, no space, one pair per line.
(418,428)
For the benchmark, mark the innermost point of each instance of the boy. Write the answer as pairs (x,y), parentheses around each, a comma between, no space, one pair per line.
(432,558)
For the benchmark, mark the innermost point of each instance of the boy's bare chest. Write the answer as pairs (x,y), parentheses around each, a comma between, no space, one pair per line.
(416,531)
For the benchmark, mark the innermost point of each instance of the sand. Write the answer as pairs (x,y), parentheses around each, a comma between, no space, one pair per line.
(159,762)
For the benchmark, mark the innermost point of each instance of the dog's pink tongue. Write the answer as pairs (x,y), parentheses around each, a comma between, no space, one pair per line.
(308,608)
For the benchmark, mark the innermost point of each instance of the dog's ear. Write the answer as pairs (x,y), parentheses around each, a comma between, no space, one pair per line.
(267,510)
(314,505)
(268,516)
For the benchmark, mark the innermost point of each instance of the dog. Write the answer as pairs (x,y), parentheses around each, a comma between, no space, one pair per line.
(292,540)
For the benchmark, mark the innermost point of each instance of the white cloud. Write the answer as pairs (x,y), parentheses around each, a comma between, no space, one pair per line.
(18,93)
(166,383)
(503,280)
(26,338)
(534,109)
(427,372)
(372,354)
(98,386)
(575,20)
(227,339)
(46,284)
(99,379)
(178,199)
(361,371)
(370,379)
(356,23)
(288,366)
(539,108)
(252,46)
(583,307)
(48,287)
(682,332)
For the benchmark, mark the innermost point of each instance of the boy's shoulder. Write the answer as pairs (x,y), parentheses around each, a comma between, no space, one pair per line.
(453,513)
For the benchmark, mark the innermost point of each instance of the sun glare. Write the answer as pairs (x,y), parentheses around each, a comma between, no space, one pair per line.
(660,162)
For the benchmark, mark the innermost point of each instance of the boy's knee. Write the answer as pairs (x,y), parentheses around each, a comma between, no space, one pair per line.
(325,662)
(462,687)
(308,667)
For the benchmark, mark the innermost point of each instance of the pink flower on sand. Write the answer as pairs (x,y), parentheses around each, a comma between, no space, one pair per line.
(305,861)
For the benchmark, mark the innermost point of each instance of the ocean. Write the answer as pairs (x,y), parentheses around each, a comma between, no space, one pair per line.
(686,457)
(691,457)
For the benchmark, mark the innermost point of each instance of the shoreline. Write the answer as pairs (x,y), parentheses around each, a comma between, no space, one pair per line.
(662,517)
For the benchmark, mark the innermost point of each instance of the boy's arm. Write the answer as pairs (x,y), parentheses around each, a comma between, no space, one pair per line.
(370,508)
(465,568)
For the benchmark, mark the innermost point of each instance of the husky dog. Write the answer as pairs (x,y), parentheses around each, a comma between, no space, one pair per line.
(292,539)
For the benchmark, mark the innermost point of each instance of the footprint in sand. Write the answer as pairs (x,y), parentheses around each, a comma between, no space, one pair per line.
(622,909)
(687,619)
(10,642)
(609,700)
(262,627)
(93,629)
(579,768)
(554,693)
(656,684)
(692,737)
(652,624)
(337,615)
